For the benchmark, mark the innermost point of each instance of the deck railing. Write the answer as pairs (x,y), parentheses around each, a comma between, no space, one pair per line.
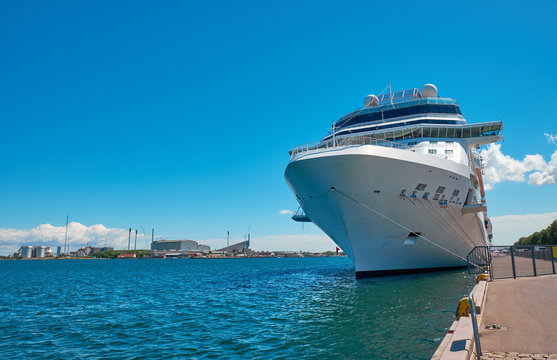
(347,141)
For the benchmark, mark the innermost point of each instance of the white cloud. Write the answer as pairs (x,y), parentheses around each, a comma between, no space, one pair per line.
(551,139)
(49,235)
(548,175)
(286,212)
(500,167)
(508,229)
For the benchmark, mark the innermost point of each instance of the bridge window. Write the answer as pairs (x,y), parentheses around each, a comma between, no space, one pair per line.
(432,151)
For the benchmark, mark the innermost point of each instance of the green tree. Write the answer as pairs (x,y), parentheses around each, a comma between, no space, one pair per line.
(546,236)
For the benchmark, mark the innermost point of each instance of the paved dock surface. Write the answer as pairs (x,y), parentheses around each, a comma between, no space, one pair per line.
(502,267)
(526,310)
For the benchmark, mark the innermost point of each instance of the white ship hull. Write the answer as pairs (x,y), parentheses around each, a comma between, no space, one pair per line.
(354,195)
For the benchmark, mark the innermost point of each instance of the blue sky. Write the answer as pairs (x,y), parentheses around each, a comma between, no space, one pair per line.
(180,115)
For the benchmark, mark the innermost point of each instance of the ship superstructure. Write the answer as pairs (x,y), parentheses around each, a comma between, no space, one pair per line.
(397,184)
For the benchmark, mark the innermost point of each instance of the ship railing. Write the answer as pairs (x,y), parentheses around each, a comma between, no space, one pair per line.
(347,141)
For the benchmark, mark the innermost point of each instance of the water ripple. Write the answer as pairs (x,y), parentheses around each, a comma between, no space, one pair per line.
(309,308)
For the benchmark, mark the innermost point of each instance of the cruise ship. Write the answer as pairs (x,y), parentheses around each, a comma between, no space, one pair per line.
(397,184)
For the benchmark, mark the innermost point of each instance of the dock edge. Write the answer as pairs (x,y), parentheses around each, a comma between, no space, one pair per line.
(458,343)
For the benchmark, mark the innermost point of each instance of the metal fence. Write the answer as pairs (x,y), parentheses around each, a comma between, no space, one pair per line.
(479,260)
(513,261)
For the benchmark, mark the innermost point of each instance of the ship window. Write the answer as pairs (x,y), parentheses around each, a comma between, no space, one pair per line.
(436,197)
(449,142)
(455,193)
(432,151)
(421,187)
(403,111)
(433,142)
(412,142)
(440,189)
(448,152)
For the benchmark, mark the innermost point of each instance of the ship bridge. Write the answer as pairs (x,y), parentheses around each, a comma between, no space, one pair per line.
(410,107)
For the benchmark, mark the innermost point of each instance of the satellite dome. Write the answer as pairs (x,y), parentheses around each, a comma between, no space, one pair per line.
(429,90)
(371,101)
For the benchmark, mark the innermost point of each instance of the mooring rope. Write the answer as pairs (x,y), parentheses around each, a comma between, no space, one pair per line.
(447,227)
(332,189)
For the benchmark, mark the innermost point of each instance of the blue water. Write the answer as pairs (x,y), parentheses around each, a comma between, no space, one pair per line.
(294,308)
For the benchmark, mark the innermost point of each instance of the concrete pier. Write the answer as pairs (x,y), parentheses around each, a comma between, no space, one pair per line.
(524,313)
(525,309)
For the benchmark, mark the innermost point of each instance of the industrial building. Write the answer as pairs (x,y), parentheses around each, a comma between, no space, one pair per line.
(178,245)
(238,247)
(28,252)
(89,250)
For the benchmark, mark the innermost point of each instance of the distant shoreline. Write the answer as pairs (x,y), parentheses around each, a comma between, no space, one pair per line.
(168,258)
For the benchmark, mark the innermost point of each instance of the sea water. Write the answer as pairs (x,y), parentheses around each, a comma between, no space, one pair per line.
(254,308)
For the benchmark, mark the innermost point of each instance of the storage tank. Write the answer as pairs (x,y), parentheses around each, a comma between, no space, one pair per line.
(40,251)
(27,252)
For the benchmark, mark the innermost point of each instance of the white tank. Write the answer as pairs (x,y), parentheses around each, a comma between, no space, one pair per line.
(40,251)
(27,252)
(429,90)
(371,101)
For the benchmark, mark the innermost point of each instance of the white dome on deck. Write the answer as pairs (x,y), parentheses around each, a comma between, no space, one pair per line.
(429,90)
(371,101)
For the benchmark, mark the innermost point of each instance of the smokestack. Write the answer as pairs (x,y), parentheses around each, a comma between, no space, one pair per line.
(153,235)
(129,238)
(135,246)
(66,237)
(228,238)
